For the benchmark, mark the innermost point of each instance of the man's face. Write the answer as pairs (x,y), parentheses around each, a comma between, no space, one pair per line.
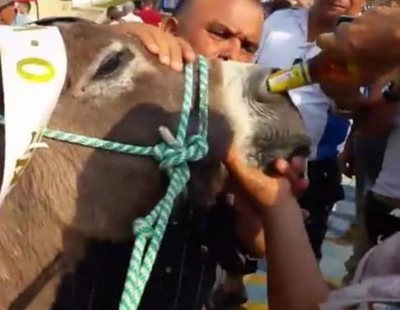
(23,8)
(335,8)
(227,29)
(7,14)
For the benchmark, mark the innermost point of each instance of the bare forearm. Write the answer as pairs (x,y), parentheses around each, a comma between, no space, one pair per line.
(250,229)
(294,279)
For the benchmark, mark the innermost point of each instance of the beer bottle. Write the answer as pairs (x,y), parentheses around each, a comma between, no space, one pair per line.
(319,69)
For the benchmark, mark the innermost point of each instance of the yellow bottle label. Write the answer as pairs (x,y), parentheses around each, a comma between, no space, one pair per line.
(284,80)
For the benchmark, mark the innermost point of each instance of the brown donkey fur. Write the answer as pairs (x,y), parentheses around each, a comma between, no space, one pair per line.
(115,90)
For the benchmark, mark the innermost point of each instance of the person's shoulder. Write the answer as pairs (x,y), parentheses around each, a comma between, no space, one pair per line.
(282,19)
(285,14)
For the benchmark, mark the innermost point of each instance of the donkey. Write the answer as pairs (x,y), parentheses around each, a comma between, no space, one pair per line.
(116,90)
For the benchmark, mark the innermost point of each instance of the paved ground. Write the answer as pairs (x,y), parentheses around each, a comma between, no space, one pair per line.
(335,253)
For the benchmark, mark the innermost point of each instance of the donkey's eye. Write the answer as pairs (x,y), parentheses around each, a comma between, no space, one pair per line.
(113,63)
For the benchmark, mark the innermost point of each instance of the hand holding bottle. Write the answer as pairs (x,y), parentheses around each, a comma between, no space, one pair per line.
(370,44)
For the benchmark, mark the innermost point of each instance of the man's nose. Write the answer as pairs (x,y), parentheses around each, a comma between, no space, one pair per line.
(230,49)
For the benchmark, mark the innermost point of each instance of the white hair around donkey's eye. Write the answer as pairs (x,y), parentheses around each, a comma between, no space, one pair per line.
(115,67)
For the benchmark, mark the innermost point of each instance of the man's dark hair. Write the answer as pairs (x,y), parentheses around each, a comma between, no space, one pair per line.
(112,11)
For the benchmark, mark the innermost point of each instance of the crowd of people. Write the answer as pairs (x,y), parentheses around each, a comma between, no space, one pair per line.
(282,218)
(128,12)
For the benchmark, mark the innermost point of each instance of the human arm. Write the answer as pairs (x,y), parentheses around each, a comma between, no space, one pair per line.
(248,222)
(249,227)
(292,269)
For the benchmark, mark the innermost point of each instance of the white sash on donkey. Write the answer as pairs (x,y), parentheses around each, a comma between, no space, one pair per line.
(34,67)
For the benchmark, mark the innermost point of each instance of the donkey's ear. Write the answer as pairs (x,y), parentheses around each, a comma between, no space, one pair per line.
(49,21)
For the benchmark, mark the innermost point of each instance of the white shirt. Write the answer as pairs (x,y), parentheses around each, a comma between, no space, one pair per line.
(284,39)
(22,19)
(129,18)
(388,182)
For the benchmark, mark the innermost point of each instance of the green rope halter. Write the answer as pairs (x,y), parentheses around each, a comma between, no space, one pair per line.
(172,155)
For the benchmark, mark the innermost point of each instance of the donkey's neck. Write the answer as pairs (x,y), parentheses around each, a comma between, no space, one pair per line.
(32,238)
(29,242)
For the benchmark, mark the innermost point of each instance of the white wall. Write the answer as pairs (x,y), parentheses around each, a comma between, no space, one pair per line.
(80,3)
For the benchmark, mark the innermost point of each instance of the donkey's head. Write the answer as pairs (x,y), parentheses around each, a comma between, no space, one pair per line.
(116,90)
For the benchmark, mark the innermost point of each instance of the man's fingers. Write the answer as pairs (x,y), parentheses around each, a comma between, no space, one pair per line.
(282,167)
(163,47)
(296,167)
(140,31)
(286,170)
(327,42)
(299,187)
(187,51)
(294,172)
(148,41)
(176,54)
(336,44)
(299,163)
(298,183)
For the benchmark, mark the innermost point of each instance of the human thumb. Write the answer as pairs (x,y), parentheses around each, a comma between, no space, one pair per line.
(334,50)
(327,42)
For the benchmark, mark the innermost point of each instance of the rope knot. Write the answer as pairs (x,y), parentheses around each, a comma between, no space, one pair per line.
(142,227)
(171,153)
(194,149)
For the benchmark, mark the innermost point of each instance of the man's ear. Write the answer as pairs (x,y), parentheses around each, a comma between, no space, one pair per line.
(170,25)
